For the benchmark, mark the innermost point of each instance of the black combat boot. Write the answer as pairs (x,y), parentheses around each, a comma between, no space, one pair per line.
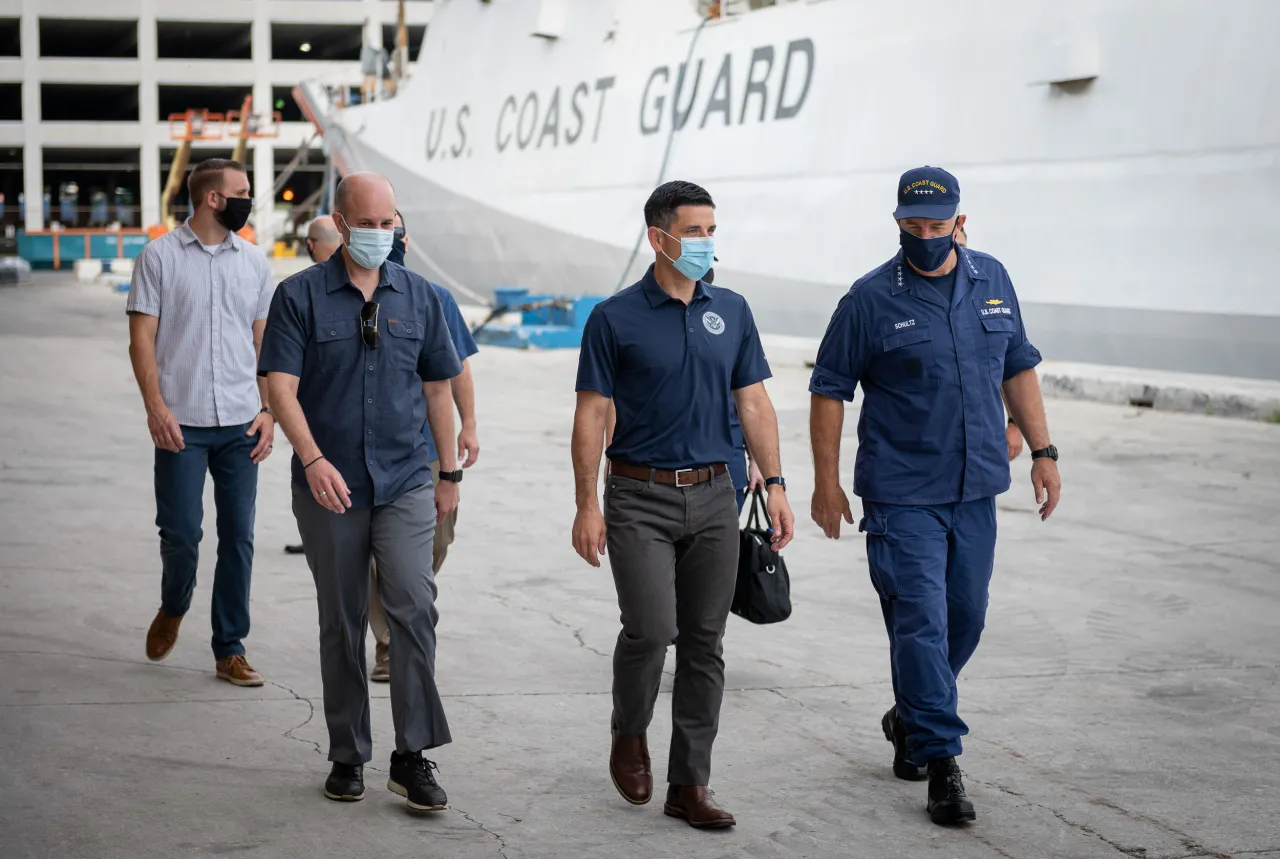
(947,801)
(896,733)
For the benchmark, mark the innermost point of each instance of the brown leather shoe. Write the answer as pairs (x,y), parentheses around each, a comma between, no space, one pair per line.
(693,804)
(381,672)
(237,671)
(629,767)
(162,636)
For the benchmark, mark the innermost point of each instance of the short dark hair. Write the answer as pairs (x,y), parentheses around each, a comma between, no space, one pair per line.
(207,176)
(661,208)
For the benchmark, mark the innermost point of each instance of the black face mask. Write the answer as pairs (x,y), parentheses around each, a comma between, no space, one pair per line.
(398,247)
(710,276)
(311,251)
(236,213)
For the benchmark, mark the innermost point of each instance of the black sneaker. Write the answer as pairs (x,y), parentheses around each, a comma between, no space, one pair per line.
(411,777)
(947,801)
(345,783)
(896,733)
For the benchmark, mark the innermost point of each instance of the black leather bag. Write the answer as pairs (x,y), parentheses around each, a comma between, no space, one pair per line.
(763,594)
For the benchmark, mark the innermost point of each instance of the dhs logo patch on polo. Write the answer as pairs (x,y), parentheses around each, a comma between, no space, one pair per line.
(712,322)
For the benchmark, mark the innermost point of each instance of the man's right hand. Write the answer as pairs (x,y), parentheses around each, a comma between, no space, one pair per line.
(166,434)
(829,506)
(589,535)
(327,487)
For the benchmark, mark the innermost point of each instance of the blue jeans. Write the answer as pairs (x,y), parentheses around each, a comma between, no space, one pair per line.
(224,453)
(931,566)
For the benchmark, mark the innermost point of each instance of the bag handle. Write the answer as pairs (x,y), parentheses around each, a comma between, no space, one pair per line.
(758,508)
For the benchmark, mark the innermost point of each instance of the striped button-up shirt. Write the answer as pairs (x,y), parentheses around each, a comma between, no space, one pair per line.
(207,302)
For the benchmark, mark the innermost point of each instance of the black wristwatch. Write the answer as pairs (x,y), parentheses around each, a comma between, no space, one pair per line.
(266,410)
(1049,452)
(452,476)
(776,481)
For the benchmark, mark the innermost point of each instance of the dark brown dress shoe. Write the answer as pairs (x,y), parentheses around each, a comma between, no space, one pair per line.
(693,804)
(629,767)
(162,636)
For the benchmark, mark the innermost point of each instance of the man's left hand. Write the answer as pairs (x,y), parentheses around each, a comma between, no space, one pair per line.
(780,517)
(1048,485)
(468,447)
(446,498)
(755,480)
(264,427)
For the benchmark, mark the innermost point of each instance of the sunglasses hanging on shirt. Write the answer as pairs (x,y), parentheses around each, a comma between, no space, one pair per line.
(369,324)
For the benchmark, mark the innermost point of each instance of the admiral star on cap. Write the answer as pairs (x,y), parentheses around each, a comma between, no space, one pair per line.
(927,192)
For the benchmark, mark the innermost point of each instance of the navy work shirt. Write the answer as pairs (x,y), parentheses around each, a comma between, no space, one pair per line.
(463,343)
(365,407)
(932,427)
(671,370)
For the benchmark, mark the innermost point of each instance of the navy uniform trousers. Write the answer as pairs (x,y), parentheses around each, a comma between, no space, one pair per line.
(931,566)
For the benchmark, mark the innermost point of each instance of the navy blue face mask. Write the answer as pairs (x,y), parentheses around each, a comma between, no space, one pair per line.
(398,246)
(926,254)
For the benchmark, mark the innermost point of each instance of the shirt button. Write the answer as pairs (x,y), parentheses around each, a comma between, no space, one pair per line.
(371,462)
(369,432)
(370,400)
(690,330)
(333,333)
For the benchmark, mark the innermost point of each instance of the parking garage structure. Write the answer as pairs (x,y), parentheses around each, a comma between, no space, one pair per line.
(88,89)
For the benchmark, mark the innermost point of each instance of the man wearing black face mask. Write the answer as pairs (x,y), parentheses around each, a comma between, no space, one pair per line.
(934,336)
(197,310)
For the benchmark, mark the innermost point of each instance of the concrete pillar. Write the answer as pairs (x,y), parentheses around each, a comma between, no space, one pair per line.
(33,141)
(150,186)
(264,168)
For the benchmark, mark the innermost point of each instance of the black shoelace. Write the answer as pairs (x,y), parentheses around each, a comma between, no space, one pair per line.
(422,770)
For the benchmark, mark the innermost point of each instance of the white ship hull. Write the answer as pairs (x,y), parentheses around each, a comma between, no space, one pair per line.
(1132,203)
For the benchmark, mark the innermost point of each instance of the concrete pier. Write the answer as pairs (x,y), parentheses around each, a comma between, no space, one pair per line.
(1124,701)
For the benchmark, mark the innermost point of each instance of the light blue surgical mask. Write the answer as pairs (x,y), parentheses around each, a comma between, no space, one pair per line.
(369,247)
(696,255)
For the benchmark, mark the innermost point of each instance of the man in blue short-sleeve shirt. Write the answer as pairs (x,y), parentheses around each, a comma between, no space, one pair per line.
(464,397)
(932,336)
(357,357)
(674,354)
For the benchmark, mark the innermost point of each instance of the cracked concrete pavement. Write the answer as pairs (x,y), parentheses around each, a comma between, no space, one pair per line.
(1124,701)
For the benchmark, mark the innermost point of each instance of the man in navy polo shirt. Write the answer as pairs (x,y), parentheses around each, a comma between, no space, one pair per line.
(358,356)
(675,355)
(933,336)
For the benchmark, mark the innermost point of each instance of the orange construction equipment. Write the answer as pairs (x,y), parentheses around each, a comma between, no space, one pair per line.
(245,124)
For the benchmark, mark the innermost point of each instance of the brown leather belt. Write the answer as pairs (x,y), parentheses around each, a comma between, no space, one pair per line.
(680,477)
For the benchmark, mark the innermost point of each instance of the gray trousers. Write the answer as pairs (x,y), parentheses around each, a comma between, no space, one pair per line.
(674,555)
(338,549)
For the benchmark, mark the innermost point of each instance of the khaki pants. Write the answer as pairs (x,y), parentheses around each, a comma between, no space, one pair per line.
(439,548)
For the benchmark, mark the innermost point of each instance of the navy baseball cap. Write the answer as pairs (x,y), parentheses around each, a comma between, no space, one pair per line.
(927,192)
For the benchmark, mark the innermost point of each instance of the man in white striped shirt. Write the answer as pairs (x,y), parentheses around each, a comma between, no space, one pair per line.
(197,308)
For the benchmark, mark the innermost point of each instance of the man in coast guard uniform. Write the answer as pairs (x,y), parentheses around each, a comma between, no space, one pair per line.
(933,336)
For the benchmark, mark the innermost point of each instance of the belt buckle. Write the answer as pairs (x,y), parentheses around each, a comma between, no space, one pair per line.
(680,471)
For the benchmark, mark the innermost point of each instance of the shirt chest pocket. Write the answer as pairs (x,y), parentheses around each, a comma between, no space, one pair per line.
(906,360)
(999,326)
(403,344)
(337,344)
